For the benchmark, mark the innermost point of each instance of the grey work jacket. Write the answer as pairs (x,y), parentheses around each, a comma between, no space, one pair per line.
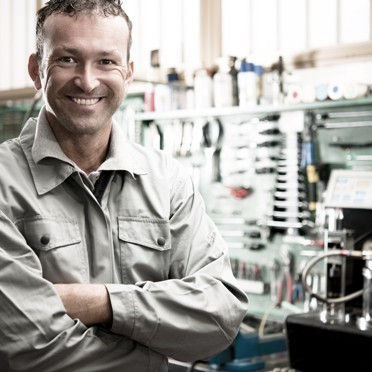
(146,236)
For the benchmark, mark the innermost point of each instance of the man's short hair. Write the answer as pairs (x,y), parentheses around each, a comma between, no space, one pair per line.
(74,7)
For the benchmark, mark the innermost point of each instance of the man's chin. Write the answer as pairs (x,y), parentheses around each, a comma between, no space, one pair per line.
(85,128)
(76,123)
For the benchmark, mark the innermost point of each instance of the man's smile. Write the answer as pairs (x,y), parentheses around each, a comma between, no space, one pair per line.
(85,101)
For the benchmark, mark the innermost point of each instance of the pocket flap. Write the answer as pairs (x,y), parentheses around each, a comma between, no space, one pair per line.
(152,233)
(48,233)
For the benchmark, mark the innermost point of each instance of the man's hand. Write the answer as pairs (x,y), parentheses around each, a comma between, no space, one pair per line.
(90,303)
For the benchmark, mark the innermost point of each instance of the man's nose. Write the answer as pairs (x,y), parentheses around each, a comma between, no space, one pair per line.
(86,78)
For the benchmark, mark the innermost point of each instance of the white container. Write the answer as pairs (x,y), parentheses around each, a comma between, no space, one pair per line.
(162,98)
(307,94)
(321,92)
(203,89)
(247,84)
(354,90)
(223,89)
(293,94)
(335,91)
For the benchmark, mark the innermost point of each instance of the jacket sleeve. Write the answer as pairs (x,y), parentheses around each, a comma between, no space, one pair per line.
(196,313)
(36,334)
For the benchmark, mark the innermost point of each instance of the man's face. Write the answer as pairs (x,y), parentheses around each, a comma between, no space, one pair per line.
(83,71)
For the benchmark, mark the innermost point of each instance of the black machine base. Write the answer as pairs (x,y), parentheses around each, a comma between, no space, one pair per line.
(316,347)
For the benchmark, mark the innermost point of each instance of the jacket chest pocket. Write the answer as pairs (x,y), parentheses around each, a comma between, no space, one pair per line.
(58,244)
(144,249)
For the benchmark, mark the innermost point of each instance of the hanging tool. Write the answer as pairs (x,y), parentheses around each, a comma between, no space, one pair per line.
(298,293)
(285,282)
(186,140)
(212,144)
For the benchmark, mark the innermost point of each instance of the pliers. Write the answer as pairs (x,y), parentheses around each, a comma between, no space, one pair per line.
(285,282)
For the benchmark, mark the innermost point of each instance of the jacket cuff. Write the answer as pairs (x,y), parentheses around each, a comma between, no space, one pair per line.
(123,309)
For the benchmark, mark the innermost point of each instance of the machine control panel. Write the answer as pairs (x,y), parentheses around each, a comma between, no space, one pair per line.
(349,189)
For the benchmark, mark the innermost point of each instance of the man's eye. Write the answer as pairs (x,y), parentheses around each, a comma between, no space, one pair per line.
(107,62)
(66,60)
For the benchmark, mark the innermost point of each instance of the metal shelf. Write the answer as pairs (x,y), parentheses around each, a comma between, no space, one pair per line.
(249,112)
(17,94)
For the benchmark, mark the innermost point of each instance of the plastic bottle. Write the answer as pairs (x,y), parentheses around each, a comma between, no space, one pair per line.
(189,96)
(259,70)
(203,89)
(223,85)
(247,83)
(267,94)
(162,98)
(149,98)
(174,84)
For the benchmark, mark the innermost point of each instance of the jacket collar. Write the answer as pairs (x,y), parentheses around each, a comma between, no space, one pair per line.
(50,166)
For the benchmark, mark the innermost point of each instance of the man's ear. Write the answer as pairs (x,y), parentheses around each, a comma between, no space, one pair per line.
(33,70)
(129,77)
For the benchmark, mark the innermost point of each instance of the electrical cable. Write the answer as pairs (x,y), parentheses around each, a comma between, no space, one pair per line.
(261,327)
(192,367)
(344,253)
(362,237)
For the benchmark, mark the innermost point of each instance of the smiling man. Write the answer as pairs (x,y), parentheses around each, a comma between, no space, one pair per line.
(84,73)
(108,261)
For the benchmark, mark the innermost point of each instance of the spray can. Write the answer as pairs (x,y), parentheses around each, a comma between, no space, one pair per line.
(223,85)
(247,83)
(203,89)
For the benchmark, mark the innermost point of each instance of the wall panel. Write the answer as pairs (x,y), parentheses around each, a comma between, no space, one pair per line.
(354,20)
(293,25)
(322,23)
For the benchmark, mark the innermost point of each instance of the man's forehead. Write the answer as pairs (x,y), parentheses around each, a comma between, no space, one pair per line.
(91,17)
(86,30)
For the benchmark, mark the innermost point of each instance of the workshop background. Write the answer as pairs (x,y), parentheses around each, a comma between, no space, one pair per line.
(268,104)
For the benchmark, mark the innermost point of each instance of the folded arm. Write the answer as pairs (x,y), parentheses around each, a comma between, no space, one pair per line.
(36,334)
(90,303)
(196,312)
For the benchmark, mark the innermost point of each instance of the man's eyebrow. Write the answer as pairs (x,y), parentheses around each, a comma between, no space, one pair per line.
(67,49)
(110,52)
(76,51)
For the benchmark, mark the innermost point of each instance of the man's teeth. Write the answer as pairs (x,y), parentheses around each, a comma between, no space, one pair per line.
(83,101)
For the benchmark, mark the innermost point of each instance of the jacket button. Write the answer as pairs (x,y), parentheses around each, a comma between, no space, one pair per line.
(161,241)
(45,239)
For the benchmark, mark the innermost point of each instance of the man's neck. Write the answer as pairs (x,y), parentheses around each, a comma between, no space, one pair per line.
(88,157)
(87,151)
